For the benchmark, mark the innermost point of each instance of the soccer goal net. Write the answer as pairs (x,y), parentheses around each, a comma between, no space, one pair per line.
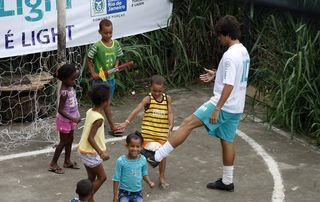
(28,97)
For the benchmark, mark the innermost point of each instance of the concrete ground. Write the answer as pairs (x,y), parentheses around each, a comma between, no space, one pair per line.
(282,167)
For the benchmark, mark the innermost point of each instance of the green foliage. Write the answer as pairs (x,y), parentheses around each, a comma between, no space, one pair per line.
(284,49)
(286,66)
(180,51)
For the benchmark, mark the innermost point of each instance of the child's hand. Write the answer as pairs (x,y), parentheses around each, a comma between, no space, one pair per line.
(94,75)
(122,126)
(77,120)
(115,199)
(152,184)
(104,156)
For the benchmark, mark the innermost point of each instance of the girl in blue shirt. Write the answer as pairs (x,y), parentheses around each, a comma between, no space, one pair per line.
(129,171)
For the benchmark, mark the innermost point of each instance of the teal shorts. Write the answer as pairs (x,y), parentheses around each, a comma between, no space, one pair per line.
(226,125)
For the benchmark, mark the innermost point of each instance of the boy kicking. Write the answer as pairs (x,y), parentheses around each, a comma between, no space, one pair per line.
(221,114)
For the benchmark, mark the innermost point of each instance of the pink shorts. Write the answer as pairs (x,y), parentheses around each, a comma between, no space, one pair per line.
(65,126)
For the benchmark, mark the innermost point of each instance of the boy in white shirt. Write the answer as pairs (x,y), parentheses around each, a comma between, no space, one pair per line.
(221,114)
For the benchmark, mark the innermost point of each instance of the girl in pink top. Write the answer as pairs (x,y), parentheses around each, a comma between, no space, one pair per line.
(67,117)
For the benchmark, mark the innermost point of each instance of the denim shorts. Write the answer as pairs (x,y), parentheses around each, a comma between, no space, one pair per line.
(127,196)
(226,125)
(111,83)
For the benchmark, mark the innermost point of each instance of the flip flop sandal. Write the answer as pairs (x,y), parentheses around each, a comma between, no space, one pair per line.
(73,165)
(116,133)
(56,170)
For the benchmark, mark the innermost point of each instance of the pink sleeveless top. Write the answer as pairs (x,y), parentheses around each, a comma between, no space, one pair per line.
(71,104)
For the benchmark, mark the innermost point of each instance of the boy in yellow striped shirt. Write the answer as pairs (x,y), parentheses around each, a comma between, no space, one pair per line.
(157,121)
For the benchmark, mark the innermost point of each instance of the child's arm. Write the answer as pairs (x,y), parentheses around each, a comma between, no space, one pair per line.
(119,52)
(147,180)
(144,171)
(134,113)
(93,74)
(104,156)
(170,114)
(116,64)
(115,191)
(63,113)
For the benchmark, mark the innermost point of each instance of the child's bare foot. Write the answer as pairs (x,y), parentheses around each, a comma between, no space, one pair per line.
(164,184)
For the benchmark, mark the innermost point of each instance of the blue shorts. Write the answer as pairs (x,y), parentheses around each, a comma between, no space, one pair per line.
(226,125)
(111,83)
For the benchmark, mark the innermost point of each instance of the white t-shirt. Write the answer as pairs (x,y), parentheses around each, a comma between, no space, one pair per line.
(233,69)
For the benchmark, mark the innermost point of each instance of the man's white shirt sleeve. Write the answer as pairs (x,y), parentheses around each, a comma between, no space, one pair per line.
(229,76)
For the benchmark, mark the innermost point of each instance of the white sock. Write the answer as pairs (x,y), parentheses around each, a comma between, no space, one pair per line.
(163,152)
(227,177)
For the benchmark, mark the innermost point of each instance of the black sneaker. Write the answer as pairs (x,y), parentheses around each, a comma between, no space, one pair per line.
(220,186)
(150,157)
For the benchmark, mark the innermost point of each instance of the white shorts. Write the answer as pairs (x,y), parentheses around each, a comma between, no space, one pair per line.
(90,160)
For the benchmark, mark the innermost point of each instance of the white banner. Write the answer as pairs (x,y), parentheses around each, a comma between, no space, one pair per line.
(30,26)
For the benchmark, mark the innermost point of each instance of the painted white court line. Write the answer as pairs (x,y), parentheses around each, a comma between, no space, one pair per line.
(275,129)
(48,150)
(283,133)
(278,188)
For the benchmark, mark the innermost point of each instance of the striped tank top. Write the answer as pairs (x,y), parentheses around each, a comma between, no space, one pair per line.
(155,123)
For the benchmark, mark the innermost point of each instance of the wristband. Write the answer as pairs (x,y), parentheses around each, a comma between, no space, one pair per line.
(127,121)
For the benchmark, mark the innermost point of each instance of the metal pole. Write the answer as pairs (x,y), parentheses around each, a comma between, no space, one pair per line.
(61,7)
(61,52)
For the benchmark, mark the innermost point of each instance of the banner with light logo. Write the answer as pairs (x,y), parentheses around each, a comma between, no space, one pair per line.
(30,26)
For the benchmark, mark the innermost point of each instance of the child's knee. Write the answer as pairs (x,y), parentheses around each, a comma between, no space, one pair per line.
(62,143)
(103,178)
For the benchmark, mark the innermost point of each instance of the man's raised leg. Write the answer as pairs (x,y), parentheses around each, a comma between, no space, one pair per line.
(177,137)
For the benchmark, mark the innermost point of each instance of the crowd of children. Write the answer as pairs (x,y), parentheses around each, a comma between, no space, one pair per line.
(130,169)
(157,121)
(157,124)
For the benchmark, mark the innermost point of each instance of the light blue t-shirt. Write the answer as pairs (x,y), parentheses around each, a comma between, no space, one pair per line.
(129,173)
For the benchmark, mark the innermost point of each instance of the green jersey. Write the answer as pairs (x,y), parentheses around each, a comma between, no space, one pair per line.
(104,56)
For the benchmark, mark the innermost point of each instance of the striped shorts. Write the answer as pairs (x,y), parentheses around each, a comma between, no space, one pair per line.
(90,160)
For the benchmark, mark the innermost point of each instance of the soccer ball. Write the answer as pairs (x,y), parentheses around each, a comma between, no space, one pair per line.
(153,146)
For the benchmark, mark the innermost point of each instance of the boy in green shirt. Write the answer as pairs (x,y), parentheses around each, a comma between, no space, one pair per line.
(103,55)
